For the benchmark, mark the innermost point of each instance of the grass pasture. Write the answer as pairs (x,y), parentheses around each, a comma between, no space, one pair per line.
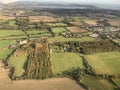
(105,63)
(12,23)
(18,64)
(65,61)
(4,51)
(63,39)
(38,33)
(95,84)
(58,30)
(76,29)
(11,33)
(117,81)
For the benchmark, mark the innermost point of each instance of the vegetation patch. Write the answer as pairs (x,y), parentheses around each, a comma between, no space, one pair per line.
(64,61)
(76,29)
(105,63)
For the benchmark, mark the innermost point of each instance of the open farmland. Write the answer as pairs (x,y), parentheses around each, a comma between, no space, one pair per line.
(105,63)
(42,18)
(18,63)
(66,62)
(114,22)
(96,84)
(9,33)
(63,39)
(117,81)
(91,22)
(56,24)
(38,33)
(49,84)
(76,23)
(116,41)
(6,18)
(58,30)
(76,29)
(4,51)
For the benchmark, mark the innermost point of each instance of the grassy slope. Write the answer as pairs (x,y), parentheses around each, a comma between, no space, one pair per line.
(65,61)
(18,63)
(105,63)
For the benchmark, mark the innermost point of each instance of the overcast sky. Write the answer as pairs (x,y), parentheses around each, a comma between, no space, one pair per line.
(78,1)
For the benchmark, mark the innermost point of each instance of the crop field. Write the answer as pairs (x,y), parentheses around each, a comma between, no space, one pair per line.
(105,63)
(114,22)
(6,18)
(63,39)
(56,24)
(18,64)
(42,18)
(94,84)
(76,29)
(91,22)
(76,23)
(58,30)
(64,61)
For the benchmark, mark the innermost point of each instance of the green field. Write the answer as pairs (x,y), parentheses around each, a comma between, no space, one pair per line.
(65,61)
(38,33)
(4,51)
(9,33)
(58,30)
(12,23)
(56,24)
(117,81)
(18,64)
(116,41)
(105,63)
(63,39)
(94,84)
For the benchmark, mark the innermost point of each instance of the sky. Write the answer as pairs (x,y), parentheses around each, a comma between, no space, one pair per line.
(72,1)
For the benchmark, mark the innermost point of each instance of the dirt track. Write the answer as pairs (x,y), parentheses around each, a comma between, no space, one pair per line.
(50,84)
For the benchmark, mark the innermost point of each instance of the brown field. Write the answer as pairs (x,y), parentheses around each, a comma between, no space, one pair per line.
(49,84)
(91,22)
(42,18)
(76,29)
(6,17)
(76,23)
(114,22)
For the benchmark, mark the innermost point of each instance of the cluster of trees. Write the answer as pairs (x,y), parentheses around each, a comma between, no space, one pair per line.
(89,47)
(38,63)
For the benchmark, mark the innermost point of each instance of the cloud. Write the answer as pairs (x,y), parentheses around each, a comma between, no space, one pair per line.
(8,1)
